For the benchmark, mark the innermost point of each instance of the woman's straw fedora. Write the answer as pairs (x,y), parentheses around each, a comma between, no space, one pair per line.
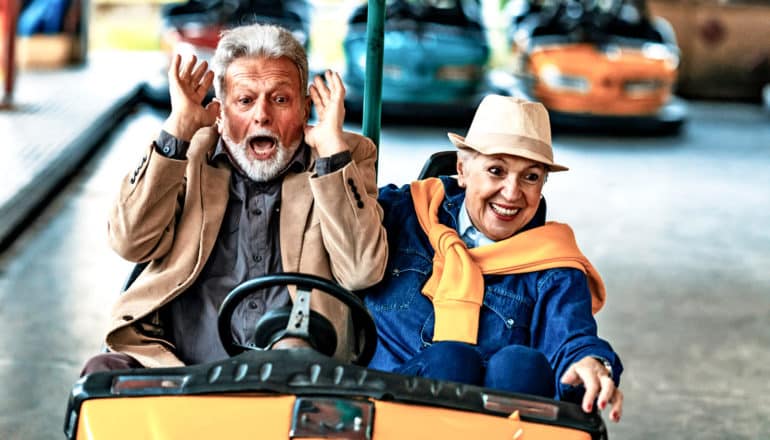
(507,125)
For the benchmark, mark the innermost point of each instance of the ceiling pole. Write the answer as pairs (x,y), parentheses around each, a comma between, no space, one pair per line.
(375,32)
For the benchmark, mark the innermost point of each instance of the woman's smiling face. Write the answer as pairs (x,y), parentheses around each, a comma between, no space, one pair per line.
(502,192)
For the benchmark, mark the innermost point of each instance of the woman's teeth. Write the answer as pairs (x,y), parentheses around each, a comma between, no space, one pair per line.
(504,211)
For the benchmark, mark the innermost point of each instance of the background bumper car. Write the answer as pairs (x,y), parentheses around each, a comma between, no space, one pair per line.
(193,28)
(603,65)
(434,61)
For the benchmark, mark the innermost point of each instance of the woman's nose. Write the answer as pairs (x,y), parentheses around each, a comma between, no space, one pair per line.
(510,190)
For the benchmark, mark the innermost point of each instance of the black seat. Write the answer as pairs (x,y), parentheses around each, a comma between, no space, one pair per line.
(442,163)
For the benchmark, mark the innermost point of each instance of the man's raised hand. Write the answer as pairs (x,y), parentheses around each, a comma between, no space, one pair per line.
(188,83)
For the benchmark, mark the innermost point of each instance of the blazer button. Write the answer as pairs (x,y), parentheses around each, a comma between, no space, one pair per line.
(350,182)
(357,196)
(360,204)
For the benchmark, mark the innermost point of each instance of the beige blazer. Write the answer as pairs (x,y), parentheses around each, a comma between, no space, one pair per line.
(169,213)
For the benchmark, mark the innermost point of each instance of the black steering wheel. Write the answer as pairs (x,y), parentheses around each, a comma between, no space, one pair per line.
(298,320)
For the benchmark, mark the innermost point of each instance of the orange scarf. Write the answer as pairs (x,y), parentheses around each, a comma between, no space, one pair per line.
(456,286)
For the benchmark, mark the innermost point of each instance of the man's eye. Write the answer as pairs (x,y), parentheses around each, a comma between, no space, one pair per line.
(281,99)
(244,101)
(495,171)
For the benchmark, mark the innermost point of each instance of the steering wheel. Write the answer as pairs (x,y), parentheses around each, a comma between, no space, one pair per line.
(603,12)
(298,320)
(571,14)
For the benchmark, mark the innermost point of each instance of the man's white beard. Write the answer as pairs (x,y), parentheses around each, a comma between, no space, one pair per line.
(260,170)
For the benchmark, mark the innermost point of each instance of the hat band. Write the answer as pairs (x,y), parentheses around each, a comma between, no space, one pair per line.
(499,142)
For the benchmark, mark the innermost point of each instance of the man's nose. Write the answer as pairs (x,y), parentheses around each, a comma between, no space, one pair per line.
(261,112)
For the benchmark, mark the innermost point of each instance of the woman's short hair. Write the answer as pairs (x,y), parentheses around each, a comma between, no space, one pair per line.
(257,40)
(467,154)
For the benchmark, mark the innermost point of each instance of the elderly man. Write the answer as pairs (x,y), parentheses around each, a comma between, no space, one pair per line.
(480,289)
(240,188)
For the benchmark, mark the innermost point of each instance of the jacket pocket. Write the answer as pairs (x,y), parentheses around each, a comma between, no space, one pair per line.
(406,273)
(505,320)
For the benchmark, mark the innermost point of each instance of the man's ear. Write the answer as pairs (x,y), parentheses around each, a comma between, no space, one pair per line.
(220,116)
(461,171)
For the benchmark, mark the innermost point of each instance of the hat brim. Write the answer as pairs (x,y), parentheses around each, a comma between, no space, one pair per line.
(459,142)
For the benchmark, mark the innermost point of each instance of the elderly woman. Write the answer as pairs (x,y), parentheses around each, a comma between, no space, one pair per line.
(479,288)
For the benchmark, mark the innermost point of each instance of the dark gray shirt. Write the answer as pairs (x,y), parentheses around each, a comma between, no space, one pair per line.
(247,246)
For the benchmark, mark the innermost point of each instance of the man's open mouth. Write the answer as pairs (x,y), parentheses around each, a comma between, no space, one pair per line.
(263,147)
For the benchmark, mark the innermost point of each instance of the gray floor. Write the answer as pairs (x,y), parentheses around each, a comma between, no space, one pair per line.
(677,226)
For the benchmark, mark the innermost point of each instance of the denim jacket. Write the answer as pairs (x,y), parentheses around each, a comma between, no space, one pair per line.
(548,310)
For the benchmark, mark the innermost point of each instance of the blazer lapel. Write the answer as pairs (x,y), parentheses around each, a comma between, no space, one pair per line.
(296,202)
(214,188)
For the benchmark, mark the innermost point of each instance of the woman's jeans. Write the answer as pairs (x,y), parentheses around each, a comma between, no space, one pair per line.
(513,368)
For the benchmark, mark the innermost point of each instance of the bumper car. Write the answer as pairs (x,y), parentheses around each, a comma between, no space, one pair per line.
(603,65)
(303,393)
(193,28)
(434,58)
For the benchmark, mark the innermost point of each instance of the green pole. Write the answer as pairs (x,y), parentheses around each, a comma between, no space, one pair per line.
(375,31)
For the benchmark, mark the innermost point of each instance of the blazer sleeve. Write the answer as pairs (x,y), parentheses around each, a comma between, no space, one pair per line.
(142,220)
(351,218)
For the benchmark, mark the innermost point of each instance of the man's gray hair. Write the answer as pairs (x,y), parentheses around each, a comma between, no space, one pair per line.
(257,40)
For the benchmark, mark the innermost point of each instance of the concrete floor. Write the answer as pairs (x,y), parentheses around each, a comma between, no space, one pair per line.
(678,227)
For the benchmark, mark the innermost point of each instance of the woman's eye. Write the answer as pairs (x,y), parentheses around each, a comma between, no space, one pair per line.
(532,177)
(495,171)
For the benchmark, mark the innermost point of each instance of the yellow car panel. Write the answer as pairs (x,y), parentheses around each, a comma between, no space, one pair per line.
(395,421)
(186,417)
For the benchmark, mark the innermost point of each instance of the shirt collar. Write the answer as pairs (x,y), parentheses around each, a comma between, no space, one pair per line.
(470,235)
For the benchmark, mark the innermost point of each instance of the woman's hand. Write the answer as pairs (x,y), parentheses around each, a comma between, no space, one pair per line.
(329,100)
(188,84)
(597,381)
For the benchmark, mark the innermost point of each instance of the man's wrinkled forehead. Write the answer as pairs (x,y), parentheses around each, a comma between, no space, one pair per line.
(279,71)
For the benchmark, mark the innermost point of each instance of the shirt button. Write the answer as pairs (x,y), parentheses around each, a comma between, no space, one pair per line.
(509,322)
(257,258)
(253,304)
(258,212)
(166,150)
